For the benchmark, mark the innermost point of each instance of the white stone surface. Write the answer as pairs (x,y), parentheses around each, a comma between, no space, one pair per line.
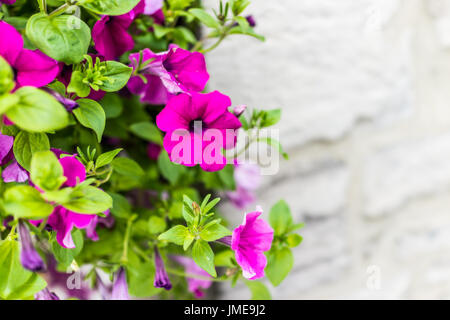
(365,91)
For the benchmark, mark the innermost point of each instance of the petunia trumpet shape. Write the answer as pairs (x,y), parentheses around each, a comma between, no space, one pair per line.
(29,257)
(198,127)
(161,278)
(62,220)
(167,73)
(194,284)
(120,287)
(31,67)
(249,241)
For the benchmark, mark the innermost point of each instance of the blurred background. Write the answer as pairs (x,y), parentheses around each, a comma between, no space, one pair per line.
(365,91)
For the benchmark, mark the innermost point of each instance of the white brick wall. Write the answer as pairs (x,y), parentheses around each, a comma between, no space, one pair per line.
(365,91)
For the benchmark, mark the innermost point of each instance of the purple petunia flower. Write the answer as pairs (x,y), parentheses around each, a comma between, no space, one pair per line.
(153,150)
(7,1)
(248,179)
(46,295)
(111,37)
(63,220)
(249,241)
(161,278)
(31,67)
(29,257)
(167,73)
(181,118)
(120,287)
(69,104)
(194,284)
(13,172)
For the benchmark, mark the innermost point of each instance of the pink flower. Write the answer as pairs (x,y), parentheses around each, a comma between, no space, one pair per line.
(62,220)
(13,172)
(111,37)
(153,150)
(168,73)
(249,241)
(7,1)
(148,7)
(180,119)
(31,67)
(120,287)
(248,179)
(194,284)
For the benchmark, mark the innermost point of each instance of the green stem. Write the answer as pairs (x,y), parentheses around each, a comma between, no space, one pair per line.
(43,224)
(126,240)
(42,6)
(219,41)
(59,10)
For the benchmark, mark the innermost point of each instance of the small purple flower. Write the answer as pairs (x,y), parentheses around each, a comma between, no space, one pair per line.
(69,104)
(29,257)
(194,284)
(46,294)
(251,21)
(238,110)
(249,241)
(120,287)
(167,73)
(161,278)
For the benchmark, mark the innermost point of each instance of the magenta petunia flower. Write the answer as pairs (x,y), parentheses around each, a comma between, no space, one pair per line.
(198,126)
(194,284)
(249,241)
(167,73)
(111,37)
(31,67)
(7,1)
(120,287)
(13,172)
(62,220)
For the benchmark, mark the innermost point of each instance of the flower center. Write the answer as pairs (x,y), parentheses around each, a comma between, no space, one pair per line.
(197,125)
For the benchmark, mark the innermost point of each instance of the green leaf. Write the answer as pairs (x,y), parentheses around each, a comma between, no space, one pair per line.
(156,224)
(207,19)
(214,231)
(106,158)
(279,264)
(91,115)
(293,240)
(187,210)
(88,200)
(65,255)
(112,104)
(109,7)
(118,75)
(77,85)
(121,208)
(6,77)
(270,118)
(64,38)
(26,144)
(280,217)
(169,170)
(247,31)
(210,205)
(37,111)
(259,290)
(26,202)
(140,279)
(179,4)
(46,171)
(204,256)
(16,283)
(147,131)
(175,234)
(188,241)
(225,259)
(127,167)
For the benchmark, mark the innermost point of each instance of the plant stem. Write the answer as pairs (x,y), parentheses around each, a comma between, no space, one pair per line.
(42,6)
(126,240)
(59,10)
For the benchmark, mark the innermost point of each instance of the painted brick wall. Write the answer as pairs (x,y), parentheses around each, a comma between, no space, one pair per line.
(365,91)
